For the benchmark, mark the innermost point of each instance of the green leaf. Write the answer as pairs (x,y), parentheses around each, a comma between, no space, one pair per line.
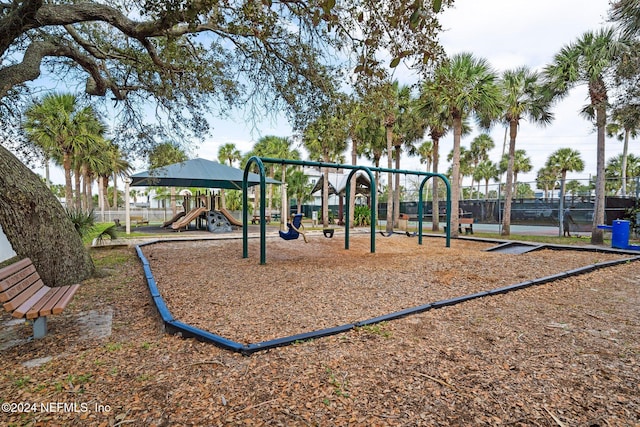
(437,5)
(328,5)
(395,62)
(415,18)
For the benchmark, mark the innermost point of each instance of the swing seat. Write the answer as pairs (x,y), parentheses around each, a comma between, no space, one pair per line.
(293,231)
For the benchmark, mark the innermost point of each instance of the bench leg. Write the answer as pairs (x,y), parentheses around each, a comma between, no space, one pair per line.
(39,327)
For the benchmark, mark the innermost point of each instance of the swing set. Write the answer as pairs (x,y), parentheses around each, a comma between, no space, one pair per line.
(293,229)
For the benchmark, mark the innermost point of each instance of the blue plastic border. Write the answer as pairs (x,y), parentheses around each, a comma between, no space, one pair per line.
(174,326)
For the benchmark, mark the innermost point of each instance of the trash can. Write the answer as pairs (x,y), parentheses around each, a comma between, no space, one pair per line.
(620,234)
(403,222)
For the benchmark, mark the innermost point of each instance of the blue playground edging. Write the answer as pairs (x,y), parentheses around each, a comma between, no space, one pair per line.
(176,327)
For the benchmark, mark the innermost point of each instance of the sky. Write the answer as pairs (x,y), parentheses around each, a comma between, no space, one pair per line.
(508,34)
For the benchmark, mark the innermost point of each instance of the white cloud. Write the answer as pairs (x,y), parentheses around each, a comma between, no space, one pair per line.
(512,33)
(508,33)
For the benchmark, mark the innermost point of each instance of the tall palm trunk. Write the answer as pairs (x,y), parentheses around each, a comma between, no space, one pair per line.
(284,209)
(352,190)
(78,187)
(435,208)
(563,179)
(68,191)
(88,183)
(623,166)
(396,192)
(325,195)
(115,191)
(455,175)
(105,194)
(597,236)
(389,132)
(508,192)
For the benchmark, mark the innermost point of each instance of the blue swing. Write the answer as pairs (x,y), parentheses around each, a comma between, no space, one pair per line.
(294,229)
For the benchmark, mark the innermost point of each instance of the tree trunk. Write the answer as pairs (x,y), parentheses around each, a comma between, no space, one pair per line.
(68,193)
(597,237)
(352,190)
(623,165)
(508,192)
(105,192)
(561,204)
(435,208)
(115,192)
(396,190)
(78,187)
(37,226)
(390,206)
(325,196)
(455,176)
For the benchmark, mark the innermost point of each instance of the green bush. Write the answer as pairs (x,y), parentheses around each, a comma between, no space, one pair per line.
(82,220)
(362,216)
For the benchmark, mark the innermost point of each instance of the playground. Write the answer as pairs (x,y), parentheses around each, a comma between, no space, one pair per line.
(561,353)
(320,285)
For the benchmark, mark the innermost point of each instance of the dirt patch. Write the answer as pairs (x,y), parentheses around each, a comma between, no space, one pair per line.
(564,353)
(306,287)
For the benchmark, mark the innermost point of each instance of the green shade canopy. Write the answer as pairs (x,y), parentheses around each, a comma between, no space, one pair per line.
(199,173)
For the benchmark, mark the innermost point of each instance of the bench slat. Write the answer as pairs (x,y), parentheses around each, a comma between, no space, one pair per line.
(20,286)
(51,298)
(24,296)
(21,311)
(65,299)
(10,280)
(13,268)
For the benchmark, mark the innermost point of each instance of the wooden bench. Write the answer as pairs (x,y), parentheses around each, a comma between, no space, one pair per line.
(468,225)
(23,294)
(256,219)
(139,220)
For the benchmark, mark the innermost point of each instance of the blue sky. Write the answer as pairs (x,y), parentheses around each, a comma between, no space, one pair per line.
(508,33)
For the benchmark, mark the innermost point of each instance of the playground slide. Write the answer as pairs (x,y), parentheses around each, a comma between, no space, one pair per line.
(174,219)
(232,219)
(184,222)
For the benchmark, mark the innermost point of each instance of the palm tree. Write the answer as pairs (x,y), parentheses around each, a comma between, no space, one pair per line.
(326,139)
(298,187)
(614,171)
(227,153)
(486,170)
(523,99)
(114,165)
(408,129)
(624,126)
(627,14)
(588,60)
(564,160)
(466,86)
(521,163)
(59,127)
(465,168)
(547,179)
(425,151)
(370,135)
(438,121)
(479,152)
(280,148)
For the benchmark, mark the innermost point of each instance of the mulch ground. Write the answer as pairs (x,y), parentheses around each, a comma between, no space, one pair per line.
(560,354)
